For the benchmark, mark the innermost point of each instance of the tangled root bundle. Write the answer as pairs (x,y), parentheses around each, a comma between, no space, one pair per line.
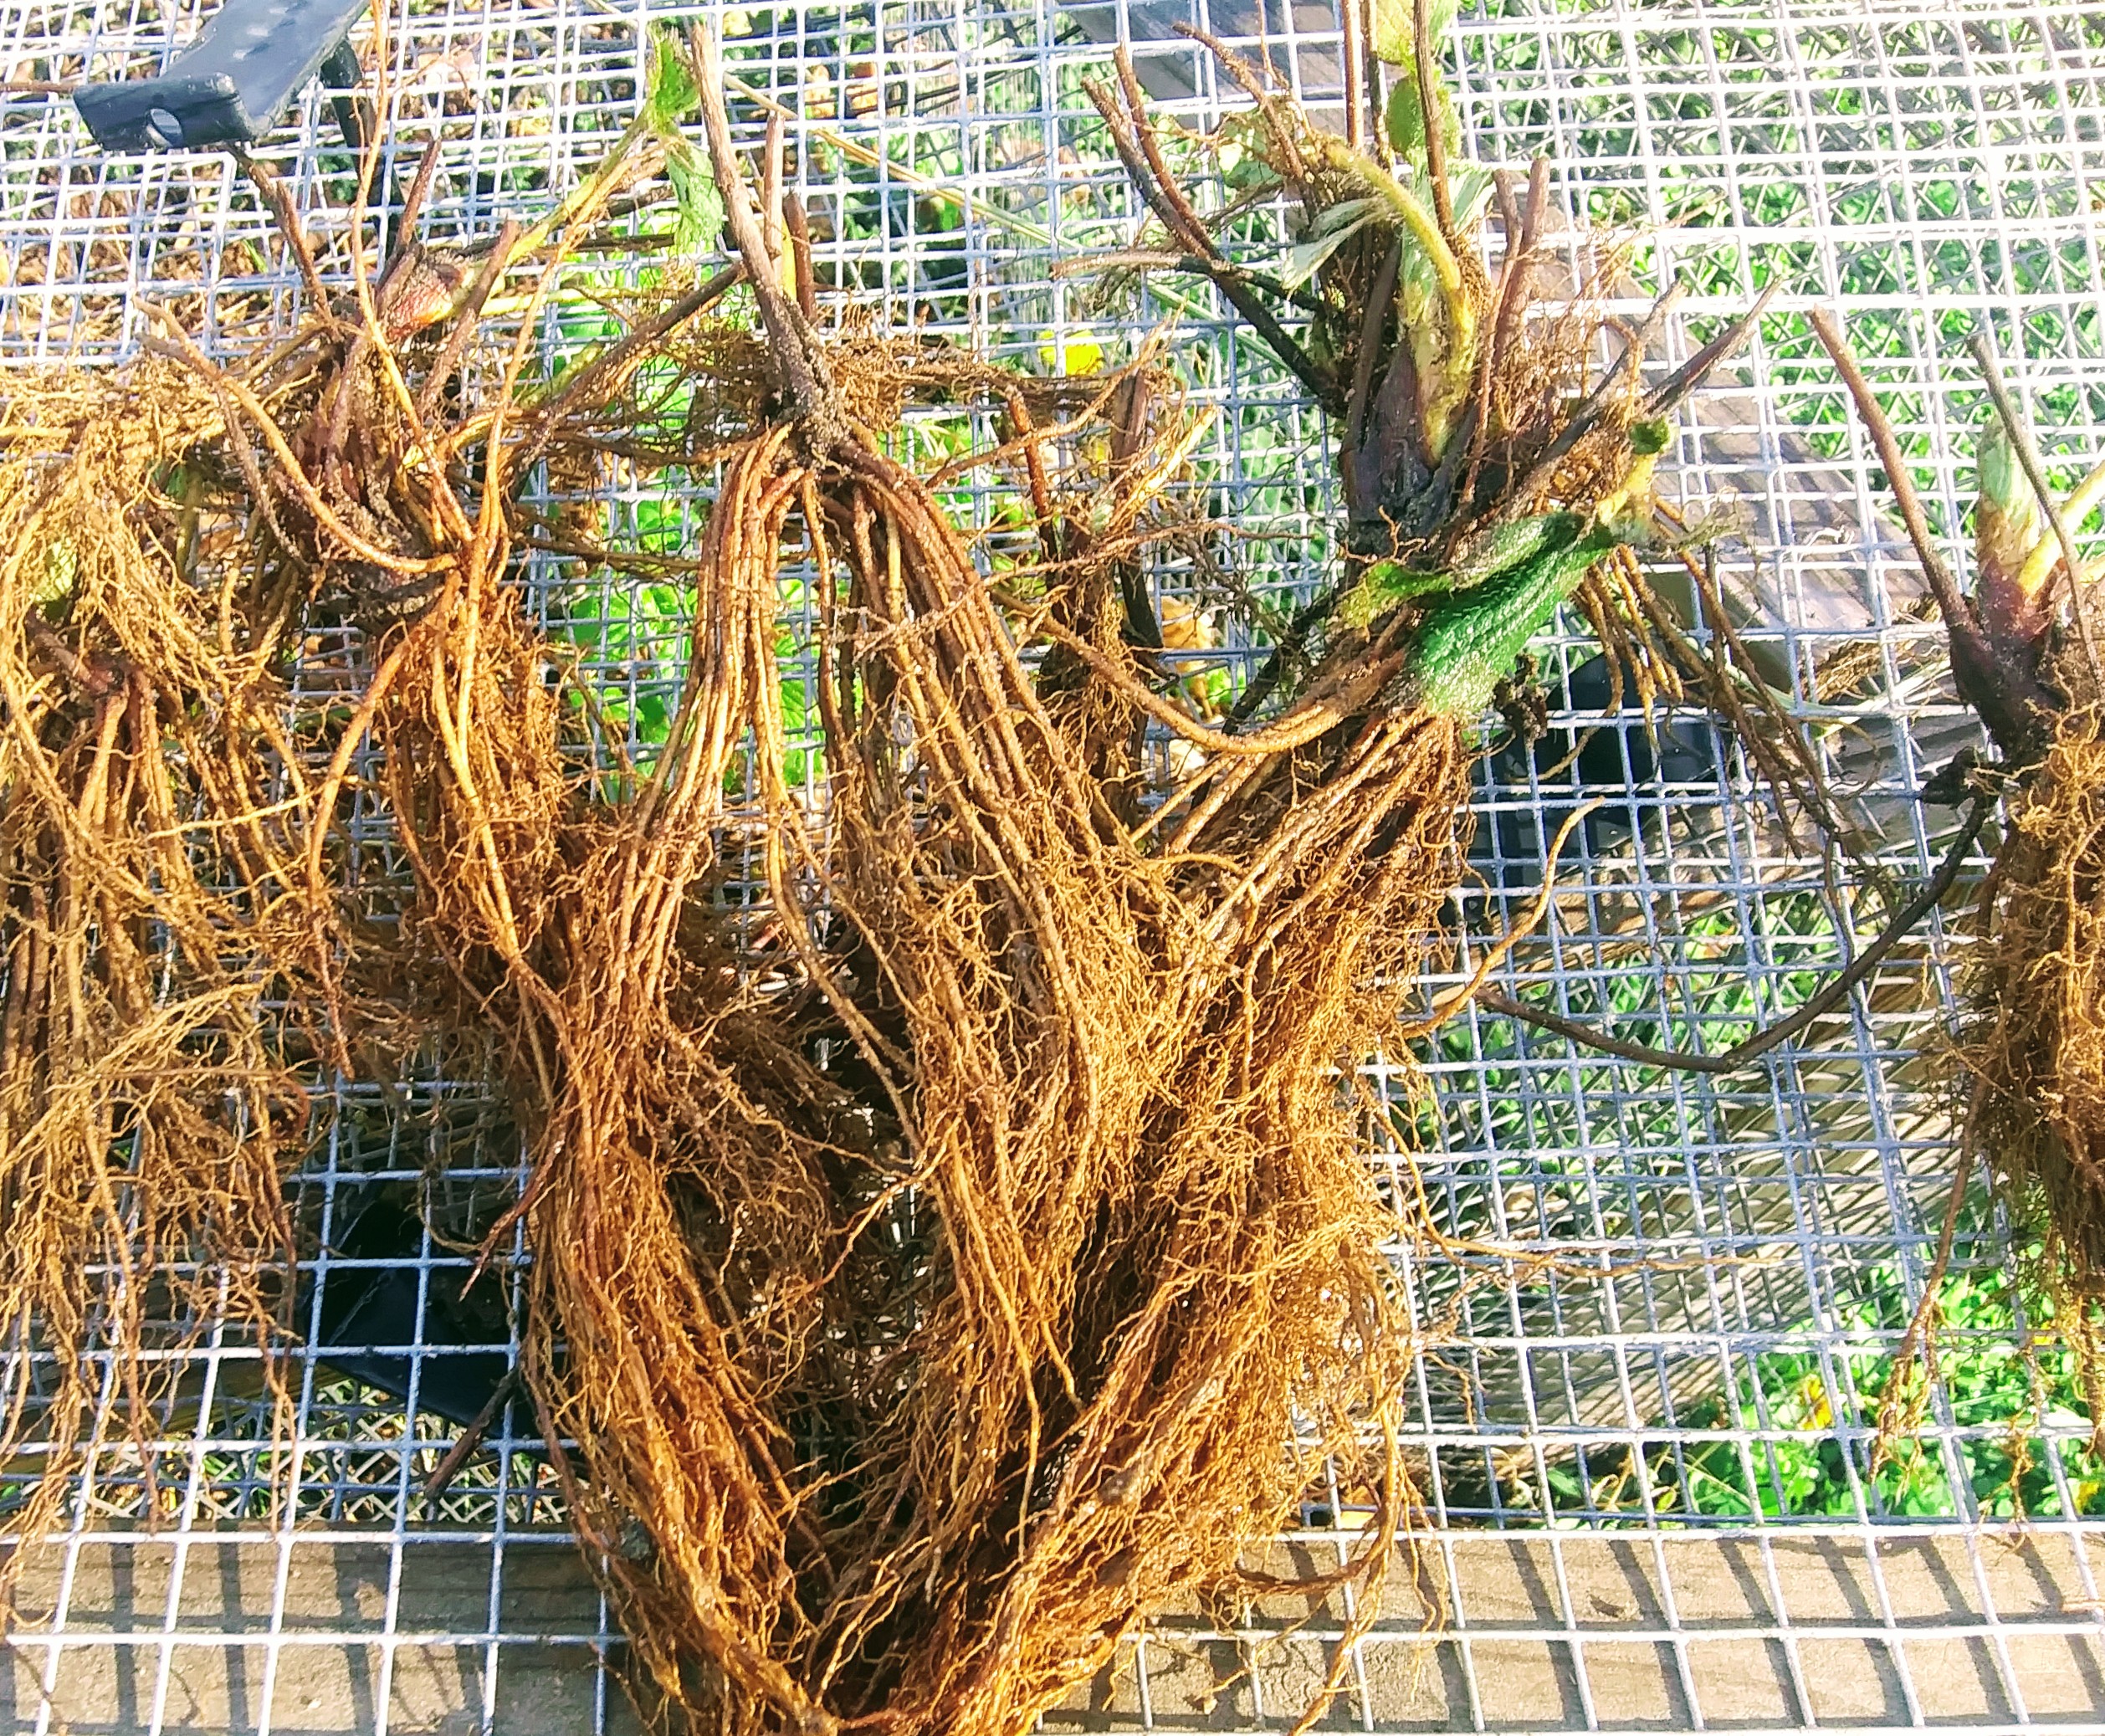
(933,1276)
(2038,1047)
(144,1110)
(927,1375)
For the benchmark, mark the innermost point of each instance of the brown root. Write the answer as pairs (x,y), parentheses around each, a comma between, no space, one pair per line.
(950,1227)
(147,1109)
(903,1387)
(2038,1048)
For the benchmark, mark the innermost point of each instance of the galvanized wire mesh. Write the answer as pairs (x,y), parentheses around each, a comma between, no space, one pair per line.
(1667,1309)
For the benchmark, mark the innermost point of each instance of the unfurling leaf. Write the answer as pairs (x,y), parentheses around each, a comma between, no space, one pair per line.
(1382,586)
(2006,523)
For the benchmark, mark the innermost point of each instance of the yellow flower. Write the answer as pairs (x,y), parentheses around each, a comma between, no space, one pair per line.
(1079,354)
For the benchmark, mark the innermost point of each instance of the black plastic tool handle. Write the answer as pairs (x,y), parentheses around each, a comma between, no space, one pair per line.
(230,86)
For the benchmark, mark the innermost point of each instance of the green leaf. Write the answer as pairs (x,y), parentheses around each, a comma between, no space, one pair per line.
(1346,214)
(1393,28)
(1393,43)
(1469,187)
(669,95)
(1407,119)
(1243,143)
(1648,439)
(1336,227)
(699,205)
